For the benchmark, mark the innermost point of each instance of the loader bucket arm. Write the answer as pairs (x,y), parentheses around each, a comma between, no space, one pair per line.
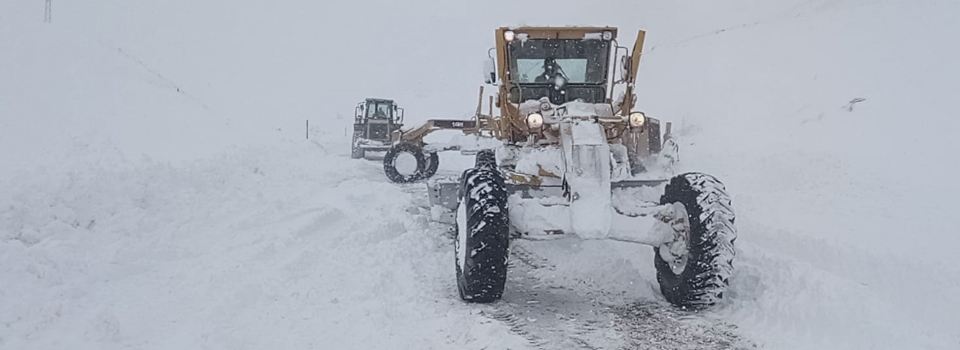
(417,134)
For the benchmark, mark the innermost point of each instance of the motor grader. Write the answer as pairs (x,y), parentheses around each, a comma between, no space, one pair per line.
(569,141)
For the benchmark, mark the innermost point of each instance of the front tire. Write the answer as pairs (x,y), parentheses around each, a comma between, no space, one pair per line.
(704,278)
(408,175)
(481,249)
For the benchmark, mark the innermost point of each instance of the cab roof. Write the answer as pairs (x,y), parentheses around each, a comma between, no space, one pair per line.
(561,32)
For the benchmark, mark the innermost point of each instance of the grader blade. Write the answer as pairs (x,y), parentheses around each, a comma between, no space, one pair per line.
(443,192)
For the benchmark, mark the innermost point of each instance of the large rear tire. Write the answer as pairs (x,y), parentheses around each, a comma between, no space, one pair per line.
(401,150)
(482,245)
(704,277)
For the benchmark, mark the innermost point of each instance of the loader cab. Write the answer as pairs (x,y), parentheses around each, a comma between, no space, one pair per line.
(376,119)
(562,64)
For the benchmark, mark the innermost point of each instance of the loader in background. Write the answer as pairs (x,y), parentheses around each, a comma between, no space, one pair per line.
(373,123)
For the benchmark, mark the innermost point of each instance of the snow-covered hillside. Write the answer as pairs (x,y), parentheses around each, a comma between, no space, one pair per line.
(844,208)
(156,190)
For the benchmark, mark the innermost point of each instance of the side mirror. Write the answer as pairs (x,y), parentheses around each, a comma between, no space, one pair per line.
(400,115)
(489,71)
(625,62)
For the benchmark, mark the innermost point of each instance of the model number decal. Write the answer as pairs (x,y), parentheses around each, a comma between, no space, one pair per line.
(455,124)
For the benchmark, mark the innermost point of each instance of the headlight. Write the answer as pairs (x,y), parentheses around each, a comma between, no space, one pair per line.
(509,35)
(637,119)
(535,121)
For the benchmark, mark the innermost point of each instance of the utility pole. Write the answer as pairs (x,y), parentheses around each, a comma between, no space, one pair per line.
(48,12)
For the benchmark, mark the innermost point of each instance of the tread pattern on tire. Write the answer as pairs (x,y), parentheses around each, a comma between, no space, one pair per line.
(390,168)
(432,164)
(485,270)
(711,247)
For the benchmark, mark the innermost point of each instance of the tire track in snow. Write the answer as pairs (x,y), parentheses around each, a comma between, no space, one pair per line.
(552,316)
(565,317)
(654,325)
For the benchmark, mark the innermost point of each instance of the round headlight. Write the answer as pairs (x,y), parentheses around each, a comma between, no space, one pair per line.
(535,121)
(509,35)
(637,119)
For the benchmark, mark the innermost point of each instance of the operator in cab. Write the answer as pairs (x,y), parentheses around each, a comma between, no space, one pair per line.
(553,74)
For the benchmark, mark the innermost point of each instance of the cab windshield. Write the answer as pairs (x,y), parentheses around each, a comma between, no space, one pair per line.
(379,110)
(539,61)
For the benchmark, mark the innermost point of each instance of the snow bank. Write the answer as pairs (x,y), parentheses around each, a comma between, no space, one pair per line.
(831,128)
(228,252)
(112,238)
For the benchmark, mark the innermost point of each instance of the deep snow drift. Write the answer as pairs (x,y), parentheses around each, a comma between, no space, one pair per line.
(156,191)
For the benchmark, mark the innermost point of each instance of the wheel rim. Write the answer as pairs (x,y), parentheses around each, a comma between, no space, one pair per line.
(677,253)
(679,264)
(406,164)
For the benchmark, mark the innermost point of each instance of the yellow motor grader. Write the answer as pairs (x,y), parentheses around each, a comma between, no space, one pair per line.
(570,156)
